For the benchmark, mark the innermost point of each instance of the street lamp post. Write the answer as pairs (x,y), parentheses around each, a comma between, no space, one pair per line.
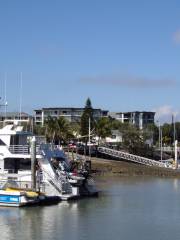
(161,142)
(159,129)
(174,131)
(89,138)
(160,138)
(175,150)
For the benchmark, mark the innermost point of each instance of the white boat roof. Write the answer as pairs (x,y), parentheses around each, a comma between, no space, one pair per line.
(12,129)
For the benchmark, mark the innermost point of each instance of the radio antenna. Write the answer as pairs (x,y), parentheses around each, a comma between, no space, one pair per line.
(5,98)
(20,102)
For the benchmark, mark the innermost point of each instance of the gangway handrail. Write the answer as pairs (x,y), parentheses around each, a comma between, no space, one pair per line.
(167,149)
(55,182)
(131,157)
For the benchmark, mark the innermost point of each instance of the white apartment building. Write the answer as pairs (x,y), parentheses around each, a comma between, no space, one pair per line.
(137,118)
(71,114)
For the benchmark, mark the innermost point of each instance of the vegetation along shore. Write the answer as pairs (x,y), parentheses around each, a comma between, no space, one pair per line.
(89,130)
(106,167)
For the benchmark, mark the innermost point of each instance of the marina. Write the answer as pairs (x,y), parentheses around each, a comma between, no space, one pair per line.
(89,120)
(127,208)
(42,170)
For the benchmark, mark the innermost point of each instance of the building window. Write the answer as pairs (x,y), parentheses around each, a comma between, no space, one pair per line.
(38,112)
(113,136)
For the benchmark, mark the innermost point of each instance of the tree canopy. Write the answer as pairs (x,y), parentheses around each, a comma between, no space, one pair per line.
(103,128)
(86,116)
(58,130)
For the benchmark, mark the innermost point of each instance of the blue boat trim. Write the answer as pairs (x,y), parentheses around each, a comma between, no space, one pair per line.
(9,198)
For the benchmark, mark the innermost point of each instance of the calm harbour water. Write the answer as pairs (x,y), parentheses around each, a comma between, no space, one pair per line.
(127,208)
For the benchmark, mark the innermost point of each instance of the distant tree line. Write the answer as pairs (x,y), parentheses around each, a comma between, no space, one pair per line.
(134,140)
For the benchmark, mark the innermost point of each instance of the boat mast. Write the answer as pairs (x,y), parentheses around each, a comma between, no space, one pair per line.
(20,102)
(33,163)
(4,104)
(5,100)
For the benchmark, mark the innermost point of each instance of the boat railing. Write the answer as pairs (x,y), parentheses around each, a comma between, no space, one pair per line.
(25,149)
(16,180)
(50,146)
(22,149)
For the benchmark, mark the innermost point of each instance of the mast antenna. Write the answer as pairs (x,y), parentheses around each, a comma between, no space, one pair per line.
(5,97)
(20,102)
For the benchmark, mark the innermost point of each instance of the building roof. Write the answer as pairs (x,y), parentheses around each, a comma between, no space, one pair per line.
(132,112)
(67,108)
(14,114)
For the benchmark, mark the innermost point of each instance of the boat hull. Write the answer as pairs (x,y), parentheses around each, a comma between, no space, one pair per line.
(15,199)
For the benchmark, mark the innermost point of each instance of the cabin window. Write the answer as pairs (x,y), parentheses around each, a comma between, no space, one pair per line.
(15,164)
(18,140)
(14,140)
(25,164)
(2,143)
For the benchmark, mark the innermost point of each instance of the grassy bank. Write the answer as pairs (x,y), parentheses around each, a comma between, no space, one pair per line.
(105,167)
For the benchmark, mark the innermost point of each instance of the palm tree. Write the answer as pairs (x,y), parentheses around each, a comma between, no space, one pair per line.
(50,126)
(75,129)
(63,130)
(58,130)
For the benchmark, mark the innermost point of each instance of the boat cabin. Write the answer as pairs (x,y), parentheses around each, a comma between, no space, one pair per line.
(14,149)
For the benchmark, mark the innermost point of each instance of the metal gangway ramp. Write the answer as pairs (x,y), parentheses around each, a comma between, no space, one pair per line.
(131,157)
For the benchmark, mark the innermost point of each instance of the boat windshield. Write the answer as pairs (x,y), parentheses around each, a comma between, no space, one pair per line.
(60,162)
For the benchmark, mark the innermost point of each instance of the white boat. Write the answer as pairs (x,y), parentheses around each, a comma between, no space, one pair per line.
(17,198)
(53,175)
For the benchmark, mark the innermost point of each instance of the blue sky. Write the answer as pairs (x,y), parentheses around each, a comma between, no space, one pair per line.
(123,54)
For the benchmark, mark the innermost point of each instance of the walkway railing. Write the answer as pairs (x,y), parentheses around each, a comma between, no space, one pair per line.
(130,157)
(168,149)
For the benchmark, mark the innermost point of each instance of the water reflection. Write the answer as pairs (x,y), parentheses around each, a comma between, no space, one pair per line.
(128,208)
(176,184)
